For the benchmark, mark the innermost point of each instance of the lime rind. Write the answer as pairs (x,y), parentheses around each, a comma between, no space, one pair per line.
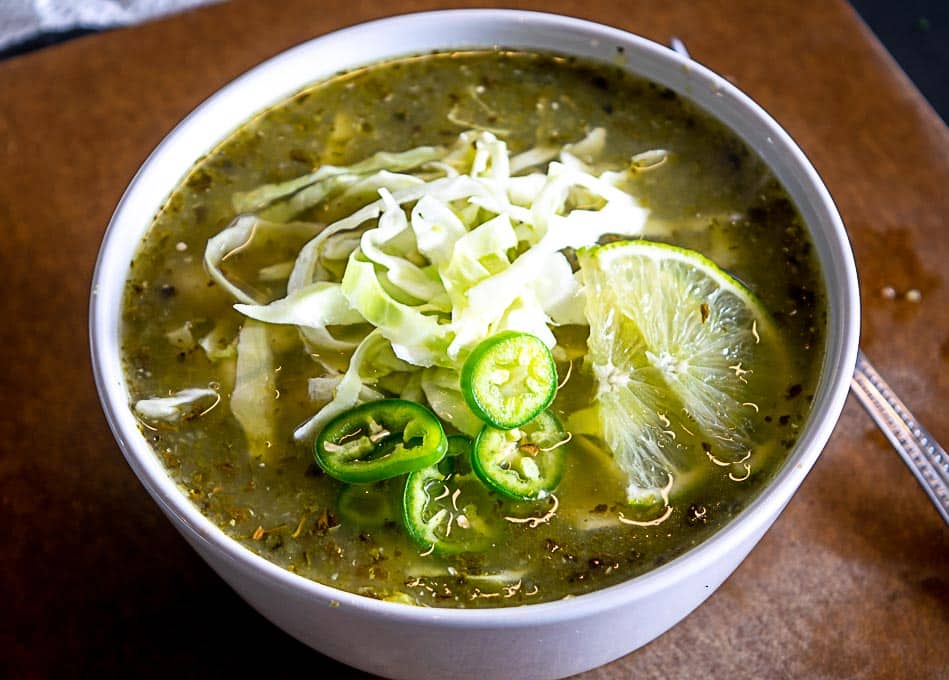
(606,254)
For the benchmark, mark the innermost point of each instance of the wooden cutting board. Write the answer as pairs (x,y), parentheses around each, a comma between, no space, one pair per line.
(852,581)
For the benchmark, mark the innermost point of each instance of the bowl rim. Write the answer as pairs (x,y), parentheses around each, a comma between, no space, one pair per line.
(838,361)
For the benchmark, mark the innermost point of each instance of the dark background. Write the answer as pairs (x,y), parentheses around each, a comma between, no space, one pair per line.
(916,33)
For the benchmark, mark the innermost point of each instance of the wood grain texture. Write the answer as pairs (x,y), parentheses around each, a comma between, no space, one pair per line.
(852,581)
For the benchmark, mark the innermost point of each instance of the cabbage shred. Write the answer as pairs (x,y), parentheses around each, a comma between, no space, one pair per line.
(452,246)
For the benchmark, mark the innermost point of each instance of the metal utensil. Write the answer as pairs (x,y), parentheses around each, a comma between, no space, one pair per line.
(923,454)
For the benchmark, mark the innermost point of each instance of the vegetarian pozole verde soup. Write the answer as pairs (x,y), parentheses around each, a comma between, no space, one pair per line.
(474,329)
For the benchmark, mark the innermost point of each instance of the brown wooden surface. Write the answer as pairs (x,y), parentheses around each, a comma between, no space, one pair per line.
(852,581)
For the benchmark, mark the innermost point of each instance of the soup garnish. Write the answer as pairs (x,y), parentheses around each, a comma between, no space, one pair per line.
(379,440)
(474,367)
(508,379)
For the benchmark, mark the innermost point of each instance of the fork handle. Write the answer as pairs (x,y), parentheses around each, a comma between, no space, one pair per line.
(923,454)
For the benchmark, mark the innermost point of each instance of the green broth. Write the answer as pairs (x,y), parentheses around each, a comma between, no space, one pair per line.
(717,197)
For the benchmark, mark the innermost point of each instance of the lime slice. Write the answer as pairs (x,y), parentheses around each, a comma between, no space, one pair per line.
(682,353)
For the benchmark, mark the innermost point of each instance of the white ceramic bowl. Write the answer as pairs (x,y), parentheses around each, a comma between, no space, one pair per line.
(536,641)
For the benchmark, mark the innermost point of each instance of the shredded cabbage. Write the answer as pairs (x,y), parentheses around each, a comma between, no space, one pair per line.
(176,406)
(312,308)
(350,388)
(435,261)
(416,337)
(323,388)
(181,337)
(275,272)
(254,396)
(443,393)
(221,342)
(419,283)
(260,197)
(239,234)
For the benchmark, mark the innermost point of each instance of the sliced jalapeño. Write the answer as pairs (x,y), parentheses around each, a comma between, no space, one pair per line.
(509,378)
(525,463)
(445,506)
(379,440)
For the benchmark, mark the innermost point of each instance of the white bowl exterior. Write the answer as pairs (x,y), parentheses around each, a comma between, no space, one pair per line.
(439,647)
(546,640)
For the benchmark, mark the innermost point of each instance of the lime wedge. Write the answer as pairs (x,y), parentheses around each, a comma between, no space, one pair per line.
(681,352)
